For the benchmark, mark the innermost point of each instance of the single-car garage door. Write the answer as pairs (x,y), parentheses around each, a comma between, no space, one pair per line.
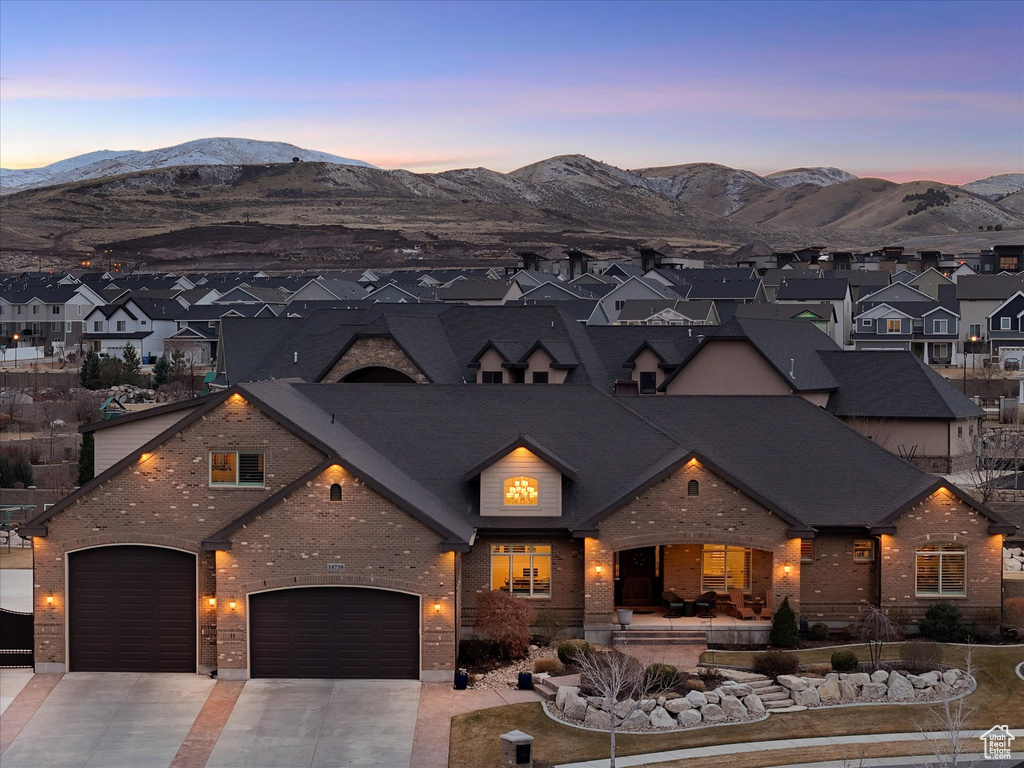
(334,632)
(132,609)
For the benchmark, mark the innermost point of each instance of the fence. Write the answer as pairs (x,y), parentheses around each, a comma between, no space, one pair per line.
(21,354)
(16,639)
(33,381)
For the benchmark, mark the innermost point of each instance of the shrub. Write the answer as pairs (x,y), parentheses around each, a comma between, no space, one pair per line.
(818,669)
(710,675)
(693,684)
(662,677)
(1013,612)
(851,632)
(477,650)
(550,625)
(819,631)
(570,649)
(774,663)
(921,655)
(943,623)
(844,661)
(784,629)
(506,620)
(550,665)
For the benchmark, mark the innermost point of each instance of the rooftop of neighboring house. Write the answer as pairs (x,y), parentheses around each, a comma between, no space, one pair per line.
(988,287)
(829,289)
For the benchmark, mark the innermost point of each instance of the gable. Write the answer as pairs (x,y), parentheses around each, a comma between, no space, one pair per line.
(377,351)
(520,485)
(728,367)
(897,292)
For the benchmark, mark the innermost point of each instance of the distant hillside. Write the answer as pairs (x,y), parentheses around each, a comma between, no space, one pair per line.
(819,177)
(997,187)
(220,151)
(711,187)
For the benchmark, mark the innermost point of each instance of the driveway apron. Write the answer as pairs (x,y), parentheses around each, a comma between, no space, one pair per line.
(320,724)
(110,720)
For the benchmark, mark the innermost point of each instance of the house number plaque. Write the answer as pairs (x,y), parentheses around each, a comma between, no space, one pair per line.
(335,566)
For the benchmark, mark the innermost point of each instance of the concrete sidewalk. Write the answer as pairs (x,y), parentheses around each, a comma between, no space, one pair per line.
(717,750)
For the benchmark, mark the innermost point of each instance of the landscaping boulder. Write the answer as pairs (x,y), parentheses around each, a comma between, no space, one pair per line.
(712,696)
(943,688)
(807,697)
(931,678)
(696,698)
(688,717)
(873,691)
(880,676)
(597,718)
(675,706)
(847,690)
(637,720)
(736,689)
(753,704)
(596,701)
(624,707)
(815,682)
(662,719)
(900,688)
(950,676)
(575,708)
(648,705)
(829,693)
(712,713)
(856,678)
(792,682)
(733,708)
(565,692)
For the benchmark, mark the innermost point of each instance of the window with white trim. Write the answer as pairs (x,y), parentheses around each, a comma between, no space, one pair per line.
(522,569)
(894,326)
(122,326)
(941,570)
(867,322)
(1004,323)
(724,568)
(236,469)
(940,325)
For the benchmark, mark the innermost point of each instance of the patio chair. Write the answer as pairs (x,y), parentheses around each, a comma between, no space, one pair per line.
(736,605)
(706,604)
(766,608)
(673,603)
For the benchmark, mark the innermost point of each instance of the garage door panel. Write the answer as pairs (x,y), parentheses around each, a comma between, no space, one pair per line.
(334,632)
(132,609)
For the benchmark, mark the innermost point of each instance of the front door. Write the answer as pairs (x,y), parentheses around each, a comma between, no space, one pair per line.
(636,570)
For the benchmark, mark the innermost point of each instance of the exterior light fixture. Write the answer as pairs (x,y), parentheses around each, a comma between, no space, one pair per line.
(787,568)
(437,605)
(212,601)
(599,568)
(231,605)
(49,600)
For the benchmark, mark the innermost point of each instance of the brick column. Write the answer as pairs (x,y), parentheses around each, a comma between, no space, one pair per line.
(786,553)
(599,591)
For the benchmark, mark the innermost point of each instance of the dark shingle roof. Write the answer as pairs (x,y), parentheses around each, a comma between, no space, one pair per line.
(812,290)
(890,384)
(988,287)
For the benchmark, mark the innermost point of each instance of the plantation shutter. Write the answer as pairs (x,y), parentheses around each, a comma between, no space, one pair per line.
(250,469)
(953,577)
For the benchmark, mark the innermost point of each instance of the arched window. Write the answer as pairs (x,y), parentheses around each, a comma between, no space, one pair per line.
(521,491)
(336,492)
(693,488)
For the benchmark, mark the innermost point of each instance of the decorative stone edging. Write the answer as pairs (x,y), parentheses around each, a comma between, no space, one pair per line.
(1020,670)
(552,710)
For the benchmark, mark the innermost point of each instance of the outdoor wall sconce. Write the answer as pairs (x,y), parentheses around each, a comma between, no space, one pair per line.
(437,605)
(599,569)
(787,568)
(49,600)
(231,605)
(212,601)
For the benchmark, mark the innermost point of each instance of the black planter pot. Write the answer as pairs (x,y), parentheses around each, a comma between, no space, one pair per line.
(461,680)
(525,681)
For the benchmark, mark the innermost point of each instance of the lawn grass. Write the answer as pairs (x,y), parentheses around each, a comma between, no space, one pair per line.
(851,752)
(475,743)
(19,557)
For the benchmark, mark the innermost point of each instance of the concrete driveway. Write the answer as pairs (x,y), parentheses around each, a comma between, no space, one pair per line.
(319,724)
(110,720)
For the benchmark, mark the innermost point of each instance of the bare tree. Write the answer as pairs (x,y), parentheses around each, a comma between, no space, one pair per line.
(621,682)
(950,721)
(880,431)
(877,629)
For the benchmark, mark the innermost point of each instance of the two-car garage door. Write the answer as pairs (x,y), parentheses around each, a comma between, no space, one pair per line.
(133,609)
(334,632)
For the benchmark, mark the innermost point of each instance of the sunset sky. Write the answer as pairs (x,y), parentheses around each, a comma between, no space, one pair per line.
(899,90)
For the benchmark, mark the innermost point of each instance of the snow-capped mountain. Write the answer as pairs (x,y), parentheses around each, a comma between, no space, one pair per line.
(997,187)
(218,151)
(820,177)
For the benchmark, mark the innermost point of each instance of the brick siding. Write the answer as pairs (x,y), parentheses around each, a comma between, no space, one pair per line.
(368,352)
(834,587)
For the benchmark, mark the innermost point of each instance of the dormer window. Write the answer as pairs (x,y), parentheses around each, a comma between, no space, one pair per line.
(520,491)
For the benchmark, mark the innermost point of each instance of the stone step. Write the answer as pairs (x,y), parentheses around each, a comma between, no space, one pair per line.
(638,640)
(794,708)
(775,696)
(660,632)
(764,683)
(545,689)
(760,690)
(778,704)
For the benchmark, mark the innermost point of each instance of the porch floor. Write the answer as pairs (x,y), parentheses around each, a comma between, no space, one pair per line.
(657,620)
